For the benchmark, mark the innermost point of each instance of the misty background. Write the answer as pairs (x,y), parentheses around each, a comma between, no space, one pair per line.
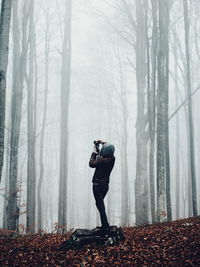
(112,44)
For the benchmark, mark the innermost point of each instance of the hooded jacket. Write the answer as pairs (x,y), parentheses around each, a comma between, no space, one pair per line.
(103,163)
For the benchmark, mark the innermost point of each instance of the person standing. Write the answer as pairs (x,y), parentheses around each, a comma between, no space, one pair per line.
(103,161)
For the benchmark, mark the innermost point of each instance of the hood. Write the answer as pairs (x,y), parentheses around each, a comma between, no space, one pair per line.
(107,150)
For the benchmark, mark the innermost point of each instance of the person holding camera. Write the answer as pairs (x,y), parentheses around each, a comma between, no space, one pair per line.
(103,160)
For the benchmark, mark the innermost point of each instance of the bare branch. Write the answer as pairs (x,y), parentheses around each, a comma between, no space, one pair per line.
(130,17)
(183,103)
(6,198)
(131,63)
(120,33)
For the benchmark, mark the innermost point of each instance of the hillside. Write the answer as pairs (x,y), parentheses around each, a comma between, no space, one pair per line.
(168,244)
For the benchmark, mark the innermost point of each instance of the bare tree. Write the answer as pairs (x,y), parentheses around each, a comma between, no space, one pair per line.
(65,94)
(190,115)
(12,208)
(177,133)
(152,102)
(6,6)
(31,176)
(5,226)
(162,113)
(19,67)
(123,135)
(141,182)
(41,160)
(124,153)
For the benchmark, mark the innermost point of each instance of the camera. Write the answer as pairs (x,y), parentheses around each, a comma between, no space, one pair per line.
(97,143)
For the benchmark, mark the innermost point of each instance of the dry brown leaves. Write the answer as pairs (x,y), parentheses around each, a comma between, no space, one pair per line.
(169,244)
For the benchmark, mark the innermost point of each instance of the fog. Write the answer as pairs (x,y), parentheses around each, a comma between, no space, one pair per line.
(111,70)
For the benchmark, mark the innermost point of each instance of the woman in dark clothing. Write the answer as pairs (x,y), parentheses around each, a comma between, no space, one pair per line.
(103,162)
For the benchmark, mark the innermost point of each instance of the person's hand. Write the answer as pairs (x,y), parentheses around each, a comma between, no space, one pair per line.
(95,149)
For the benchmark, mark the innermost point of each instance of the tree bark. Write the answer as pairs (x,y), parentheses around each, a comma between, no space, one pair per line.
(167,153)
(124,144)
(31,176)
(39,191)
(163,171)
(177,165)
(152,109)
(190,115)
(141,182)
(65,94)
(19,65)
(12,209)
(6,6)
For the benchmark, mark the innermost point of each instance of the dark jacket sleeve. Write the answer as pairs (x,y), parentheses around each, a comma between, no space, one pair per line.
(95,160)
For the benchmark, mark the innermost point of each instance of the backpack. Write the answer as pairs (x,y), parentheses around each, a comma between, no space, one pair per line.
(81,237)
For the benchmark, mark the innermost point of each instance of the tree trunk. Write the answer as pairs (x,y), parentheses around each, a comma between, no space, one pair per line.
(152,108)
(31,182)
(6,6)
(187,199)
(12,209)
(5,220)
(190,115)
(65,94)
(167,155)
(177,164)
(19,65)
(162,119)
(124,143)
(141,182)
(39,190)
(125,182)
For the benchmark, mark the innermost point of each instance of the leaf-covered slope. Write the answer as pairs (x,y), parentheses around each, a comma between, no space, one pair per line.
(169,244)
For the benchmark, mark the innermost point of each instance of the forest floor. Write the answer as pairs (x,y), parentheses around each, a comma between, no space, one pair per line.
(174,243)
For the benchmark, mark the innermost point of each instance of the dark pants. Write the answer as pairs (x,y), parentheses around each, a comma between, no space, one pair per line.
(100,192)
